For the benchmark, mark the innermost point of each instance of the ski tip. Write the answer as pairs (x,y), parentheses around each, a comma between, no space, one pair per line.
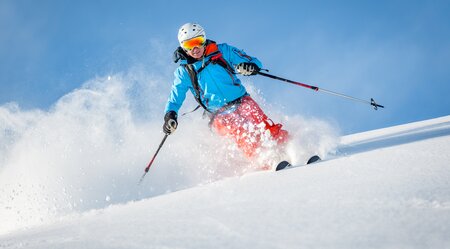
(282,165)
(313,159)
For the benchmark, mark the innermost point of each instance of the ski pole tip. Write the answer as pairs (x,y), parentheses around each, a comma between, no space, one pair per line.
(375,105)
(142,178)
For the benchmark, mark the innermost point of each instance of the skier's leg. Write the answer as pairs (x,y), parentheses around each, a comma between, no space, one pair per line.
(246,126)
(253,113)
(232,125)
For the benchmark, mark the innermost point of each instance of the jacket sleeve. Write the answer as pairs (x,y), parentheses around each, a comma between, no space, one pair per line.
(179,88)
(236,56)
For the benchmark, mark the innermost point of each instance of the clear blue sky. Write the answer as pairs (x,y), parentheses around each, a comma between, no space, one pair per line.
(397,52)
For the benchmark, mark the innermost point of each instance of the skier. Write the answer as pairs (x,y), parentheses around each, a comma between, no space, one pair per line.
(208,70)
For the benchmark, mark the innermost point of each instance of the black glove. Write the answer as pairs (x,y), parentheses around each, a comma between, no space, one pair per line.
(247,68)
(170,122)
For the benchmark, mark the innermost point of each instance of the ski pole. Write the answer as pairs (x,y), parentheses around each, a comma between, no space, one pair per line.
(315,88)
(153,159)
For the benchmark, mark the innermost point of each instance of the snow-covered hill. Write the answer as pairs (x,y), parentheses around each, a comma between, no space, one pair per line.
(387,188)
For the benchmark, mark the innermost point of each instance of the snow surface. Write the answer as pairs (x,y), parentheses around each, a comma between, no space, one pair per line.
(387,188)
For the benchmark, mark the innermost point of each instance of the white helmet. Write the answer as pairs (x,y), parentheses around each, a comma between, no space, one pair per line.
(190,30)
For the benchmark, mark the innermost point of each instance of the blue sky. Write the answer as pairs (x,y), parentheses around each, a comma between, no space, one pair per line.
(397,52)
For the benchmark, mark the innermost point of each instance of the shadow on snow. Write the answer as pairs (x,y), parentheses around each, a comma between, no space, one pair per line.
(396,138)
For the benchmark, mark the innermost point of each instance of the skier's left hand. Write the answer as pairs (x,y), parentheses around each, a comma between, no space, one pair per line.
(247,68)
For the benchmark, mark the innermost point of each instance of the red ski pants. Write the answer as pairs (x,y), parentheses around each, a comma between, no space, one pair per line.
(247,125)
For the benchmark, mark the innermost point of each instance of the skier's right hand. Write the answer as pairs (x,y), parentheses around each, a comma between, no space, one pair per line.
(170,122)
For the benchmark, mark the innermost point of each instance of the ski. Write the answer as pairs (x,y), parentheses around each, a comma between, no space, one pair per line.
(285,164)
(313,159)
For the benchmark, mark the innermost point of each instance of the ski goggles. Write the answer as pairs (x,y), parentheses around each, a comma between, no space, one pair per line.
(190,44)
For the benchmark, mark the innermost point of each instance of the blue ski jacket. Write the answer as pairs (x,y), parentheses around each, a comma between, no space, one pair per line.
(218,86)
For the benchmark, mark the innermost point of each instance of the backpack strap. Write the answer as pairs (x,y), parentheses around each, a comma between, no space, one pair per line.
(218,59)
(194,80)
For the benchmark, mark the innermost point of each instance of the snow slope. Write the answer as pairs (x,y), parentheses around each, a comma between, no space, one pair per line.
(387,188)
